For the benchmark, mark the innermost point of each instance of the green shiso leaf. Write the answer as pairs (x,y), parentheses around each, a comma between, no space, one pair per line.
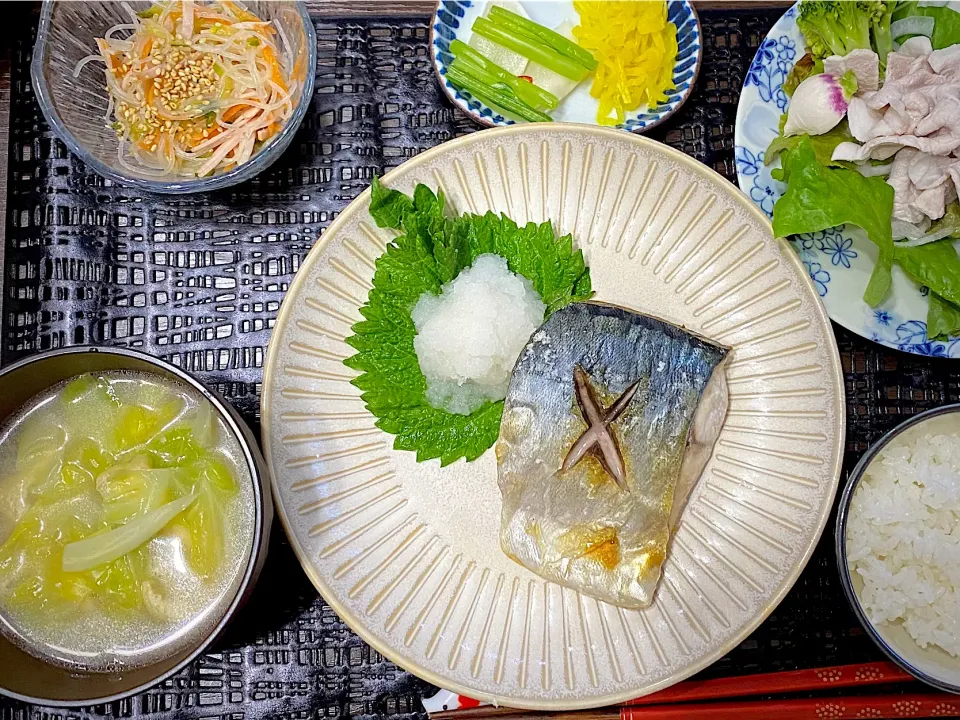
(433,248)
(387,207)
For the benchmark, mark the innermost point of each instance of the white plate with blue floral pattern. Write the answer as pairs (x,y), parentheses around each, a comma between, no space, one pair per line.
(454,20)
(839,260)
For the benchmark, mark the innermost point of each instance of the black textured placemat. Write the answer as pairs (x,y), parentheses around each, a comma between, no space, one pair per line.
(198,280)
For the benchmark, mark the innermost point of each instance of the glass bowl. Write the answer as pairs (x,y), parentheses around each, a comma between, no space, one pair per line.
(932,665)
(76,107)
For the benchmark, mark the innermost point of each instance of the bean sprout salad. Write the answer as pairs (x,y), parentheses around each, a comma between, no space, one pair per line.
(195,88)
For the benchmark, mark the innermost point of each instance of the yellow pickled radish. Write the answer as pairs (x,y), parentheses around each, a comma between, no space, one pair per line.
(635,48)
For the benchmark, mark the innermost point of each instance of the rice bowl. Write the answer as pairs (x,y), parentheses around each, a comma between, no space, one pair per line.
(898,543)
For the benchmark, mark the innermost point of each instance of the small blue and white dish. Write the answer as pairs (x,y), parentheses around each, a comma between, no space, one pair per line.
(839,260)
(453,19)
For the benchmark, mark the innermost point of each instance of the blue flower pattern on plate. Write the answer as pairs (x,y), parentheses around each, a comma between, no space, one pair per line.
(446,22)
(765,191)
(908,335)
(770,68)
(764,194)
(747,162)
(830,252)
(840,250)
(819,276)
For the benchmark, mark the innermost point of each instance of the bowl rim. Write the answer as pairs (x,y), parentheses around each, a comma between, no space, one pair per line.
(840,542)
(486,122)
(266,157)
(258,474)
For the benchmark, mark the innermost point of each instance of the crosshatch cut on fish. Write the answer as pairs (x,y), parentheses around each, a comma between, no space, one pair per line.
(574,522)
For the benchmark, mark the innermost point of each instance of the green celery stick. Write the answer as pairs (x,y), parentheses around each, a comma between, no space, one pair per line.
(510,21)
(535,50)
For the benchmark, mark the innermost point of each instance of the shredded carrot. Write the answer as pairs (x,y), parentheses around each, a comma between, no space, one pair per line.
(232,113)
(299,67)
(149,91)
(239,12)
(275,73)
(245,16)
(204,22)
(113,61)
(147,47)
(198,137)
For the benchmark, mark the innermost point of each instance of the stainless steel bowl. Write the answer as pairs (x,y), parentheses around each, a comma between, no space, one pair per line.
(25,677)
(931,665)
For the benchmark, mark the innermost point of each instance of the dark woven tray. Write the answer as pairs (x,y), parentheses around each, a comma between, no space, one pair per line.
(198,280)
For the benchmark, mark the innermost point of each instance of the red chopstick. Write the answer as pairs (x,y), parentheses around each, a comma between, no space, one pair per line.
(814,679)
(931,704)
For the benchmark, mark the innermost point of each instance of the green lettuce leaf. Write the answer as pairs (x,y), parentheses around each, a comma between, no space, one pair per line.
(823,145)
(935,265)
(819,197)
(950,220)
(434,248)
(943,318)
(946,28)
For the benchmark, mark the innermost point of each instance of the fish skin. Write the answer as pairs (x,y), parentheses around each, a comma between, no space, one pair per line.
(558,523)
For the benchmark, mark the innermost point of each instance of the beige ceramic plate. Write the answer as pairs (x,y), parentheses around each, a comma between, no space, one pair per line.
(407,553)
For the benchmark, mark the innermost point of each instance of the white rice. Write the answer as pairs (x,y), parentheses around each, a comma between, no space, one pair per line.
(903,537)
(470,336)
